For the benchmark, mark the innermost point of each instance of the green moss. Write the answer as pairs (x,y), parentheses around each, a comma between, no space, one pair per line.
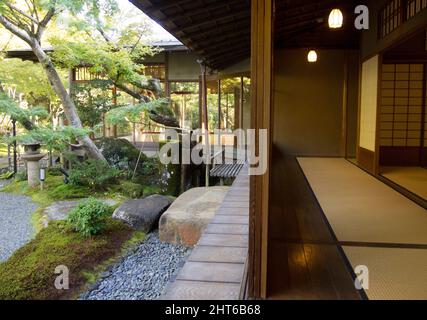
(150,190)
(92,276)
(67,191)
(37,220)
(29,273)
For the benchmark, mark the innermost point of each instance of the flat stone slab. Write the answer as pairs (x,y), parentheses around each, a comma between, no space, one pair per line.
(212,272)
(227,229)
(184,222)
(60,210)
(231,219)
(218,254)
(193,290)
(224,240)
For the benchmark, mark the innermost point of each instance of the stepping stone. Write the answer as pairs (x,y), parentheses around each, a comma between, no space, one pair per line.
(194,290)
(60,210)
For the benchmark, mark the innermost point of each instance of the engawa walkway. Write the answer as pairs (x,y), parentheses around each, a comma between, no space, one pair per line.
(215,270)
(376,226)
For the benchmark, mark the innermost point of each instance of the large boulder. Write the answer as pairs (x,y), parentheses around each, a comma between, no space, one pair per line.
(184,222)
(143,214)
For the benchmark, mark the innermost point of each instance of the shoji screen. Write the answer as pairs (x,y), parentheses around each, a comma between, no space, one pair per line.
(368,104)
(402,105)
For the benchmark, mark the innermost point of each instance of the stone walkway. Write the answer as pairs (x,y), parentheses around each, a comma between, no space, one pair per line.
(216,268)
(15,222)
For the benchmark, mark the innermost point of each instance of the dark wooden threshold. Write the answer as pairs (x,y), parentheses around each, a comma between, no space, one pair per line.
(408,194)
(306,261)
(405,192)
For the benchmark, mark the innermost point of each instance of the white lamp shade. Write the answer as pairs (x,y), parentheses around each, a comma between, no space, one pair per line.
(312,56)
(42,174)
(336,19)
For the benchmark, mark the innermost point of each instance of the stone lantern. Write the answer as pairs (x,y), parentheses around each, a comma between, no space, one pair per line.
(32,157)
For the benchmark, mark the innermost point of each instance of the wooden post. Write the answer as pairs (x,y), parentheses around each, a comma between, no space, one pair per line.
(219,112)
(205,119)
(261,52)
(15,148)
(114,128)
(344,120)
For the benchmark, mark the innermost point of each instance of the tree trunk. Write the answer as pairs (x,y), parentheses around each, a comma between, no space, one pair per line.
(70,109)
(157,118)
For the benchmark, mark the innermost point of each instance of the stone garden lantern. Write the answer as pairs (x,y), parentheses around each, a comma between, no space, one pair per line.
(32,157)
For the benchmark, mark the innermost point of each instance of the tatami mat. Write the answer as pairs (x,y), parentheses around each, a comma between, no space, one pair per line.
(394,274)
(360,208)
(413,179)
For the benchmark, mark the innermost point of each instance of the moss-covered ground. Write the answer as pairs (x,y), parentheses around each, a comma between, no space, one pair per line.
(30,273)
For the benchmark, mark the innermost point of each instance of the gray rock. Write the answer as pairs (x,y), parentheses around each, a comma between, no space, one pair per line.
(143,214)
(60,210)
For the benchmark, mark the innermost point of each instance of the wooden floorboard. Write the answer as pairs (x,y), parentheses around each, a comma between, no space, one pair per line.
(305,260)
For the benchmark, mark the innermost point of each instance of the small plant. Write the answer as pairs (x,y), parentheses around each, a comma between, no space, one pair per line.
(7,175)
(21,175)
(96,175)
(89,217)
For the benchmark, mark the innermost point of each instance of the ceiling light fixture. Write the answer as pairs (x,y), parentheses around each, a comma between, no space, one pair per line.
(312,56)
(336,19)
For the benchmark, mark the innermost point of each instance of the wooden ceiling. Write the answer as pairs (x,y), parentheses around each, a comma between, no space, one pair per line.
(304,23)
(219,30)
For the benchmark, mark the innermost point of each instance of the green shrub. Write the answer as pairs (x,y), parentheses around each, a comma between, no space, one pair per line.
(120,153)
(54,171)
(123,155)
(131,189)
(21,175)
(94,174)
(89,217)
(68,191)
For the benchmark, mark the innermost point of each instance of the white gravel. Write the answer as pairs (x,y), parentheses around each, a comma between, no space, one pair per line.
(143,274)
(15,223)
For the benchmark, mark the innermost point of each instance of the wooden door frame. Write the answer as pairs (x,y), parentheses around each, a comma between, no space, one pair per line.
(262,84)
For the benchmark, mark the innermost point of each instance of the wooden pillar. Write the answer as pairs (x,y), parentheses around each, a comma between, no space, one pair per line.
(344,120)
(114,127)
(261,61)
(205,117)
(167,83)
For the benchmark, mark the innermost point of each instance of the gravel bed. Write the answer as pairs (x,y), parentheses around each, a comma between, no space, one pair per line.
(141,275)
(15,223)
(4,183)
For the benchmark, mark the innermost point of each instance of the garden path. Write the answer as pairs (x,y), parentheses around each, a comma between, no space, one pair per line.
(15,222)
